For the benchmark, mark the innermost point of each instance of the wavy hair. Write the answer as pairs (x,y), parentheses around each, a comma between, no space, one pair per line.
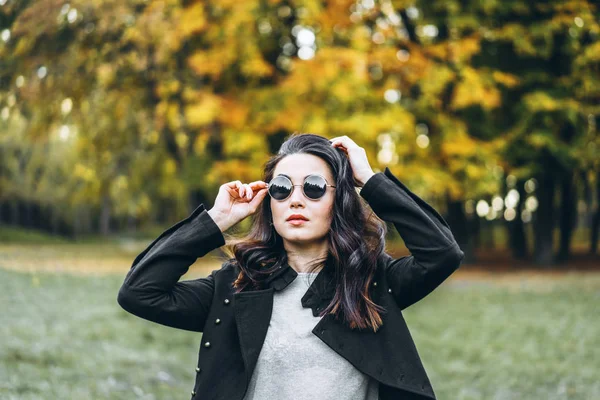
(356,239)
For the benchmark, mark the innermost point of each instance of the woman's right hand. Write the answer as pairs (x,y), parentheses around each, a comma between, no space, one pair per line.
(236,201)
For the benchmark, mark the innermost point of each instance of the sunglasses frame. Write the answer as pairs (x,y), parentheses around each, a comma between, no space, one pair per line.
(294,186)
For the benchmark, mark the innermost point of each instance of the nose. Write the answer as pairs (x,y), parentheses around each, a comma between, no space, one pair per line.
(297,197)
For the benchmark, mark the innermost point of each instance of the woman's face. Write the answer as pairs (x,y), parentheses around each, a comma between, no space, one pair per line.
(318,212)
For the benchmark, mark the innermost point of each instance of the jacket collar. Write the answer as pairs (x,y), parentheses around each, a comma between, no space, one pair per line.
(321,289)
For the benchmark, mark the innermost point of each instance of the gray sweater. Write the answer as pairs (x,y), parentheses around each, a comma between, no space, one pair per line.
(294,364)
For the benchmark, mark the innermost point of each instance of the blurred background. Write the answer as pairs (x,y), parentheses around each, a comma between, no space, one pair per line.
(118,118)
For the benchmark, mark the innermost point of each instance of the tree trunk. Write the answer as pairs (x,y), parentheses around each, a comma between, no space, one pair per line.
(459,224)
(54,220)
(4,212)
(15,212)
(28,221)
(568,215)
(105,216)
(596,219)
(544,220)
(473,237)
(86,220)
(516,229)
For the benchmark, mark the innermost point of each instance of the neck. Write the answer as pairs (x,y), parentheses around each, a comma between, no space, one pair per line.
(299,257)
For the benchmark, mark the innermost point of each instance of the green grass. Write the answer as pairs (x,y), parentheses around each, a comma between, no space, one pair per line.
(13,234)
(516,342)
(65,337)
(20,235)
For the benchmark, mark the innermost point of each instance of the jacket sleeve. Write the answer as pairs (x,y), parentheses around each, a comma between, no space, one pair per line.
(435,254)
(152,290)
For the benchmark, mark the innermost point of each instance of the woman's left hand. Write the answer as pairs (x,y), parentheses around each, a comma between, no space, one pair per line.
(357,156)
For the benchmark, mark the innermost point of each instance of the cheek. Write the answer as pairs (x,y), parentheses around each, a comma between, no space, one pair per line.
(326,213)
(277,209)
(331,207)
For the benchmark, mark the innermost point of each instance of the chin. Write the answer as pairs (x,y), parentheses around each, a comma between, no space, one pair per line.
(303,237)
(298,237)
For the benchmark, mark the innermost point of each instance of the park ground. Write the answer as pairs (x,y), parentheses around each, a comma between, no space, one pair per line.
(499,330)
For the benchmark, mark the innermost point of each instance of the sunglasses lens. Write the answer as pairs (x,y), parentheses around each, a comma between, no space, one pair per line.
(280,188)
(314,187)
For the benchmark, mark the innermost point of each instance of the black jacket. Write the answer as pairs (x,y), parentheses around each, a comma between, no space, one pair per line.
(234,325)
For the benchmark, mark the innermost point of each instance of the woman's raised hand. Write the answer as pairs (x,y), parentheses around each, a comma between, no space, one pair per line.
(236,201)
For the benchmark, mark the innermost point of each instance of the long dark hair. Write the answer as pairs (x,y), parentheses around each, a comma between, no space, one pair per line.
(356,239)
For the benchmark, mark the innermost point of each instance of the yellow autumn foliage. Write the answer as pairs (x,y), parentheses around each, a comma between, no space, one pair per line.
(211,62)
(173,120)
(434,82)
(463,49)
(234,113)
(243,143)
(506,79)
(472,89)
(537,101)
(192,19)
(200,143)
(257,67)
(460,145)
(203,111)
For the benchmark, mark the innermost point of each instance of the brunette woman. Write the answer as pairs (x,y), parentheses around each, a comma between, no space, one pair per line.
(308,305)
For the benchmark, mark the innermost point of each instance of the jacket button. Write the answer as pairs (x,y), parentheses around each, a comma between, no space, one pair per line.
(193,393)
(375,283)
(217,321)
(197,369)
(226,301)
(322,330)
(207,344)
(390,290)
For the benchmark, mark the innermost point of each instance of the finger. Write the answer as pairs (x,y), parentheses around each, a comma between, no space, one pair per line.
(345,141)
(260,195)
(245,192)
(257,184)
(340,146)
(232,192)
(234,184)
(249,192)
(343,144)
(337,141)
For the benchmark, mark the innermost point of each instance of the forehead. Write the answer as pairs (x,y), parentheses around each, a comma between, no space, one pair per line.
(299,166)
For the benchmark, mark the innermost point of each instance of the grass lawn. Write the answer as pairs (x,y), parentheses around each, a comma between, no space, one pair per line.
(63,336)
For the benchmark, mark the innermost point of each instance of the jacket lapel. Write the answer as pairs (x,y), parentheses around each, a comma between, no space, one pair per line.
(252,316)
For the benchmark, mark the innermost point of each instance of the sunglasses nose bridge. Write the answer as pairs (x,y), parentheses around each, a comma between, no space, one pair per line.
(295,191)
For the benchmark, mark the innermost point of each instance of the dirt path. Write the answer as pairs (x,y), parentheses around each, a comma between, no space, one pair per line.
(491,268)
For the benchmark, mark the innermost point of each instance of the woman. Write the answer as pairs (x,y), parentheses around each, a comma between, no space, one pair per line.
(336,333)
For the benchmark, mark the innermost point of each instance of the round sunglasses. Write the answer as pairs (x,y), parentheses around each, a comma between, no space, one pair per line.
(281,187)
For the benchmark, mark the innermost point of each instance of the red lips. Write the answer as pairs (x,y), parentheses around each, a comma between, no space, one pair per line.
(297,216)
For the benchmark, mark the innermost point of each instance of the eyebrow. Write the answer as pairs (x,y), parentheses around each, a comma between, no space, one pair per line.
(290,178)
(287,176)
